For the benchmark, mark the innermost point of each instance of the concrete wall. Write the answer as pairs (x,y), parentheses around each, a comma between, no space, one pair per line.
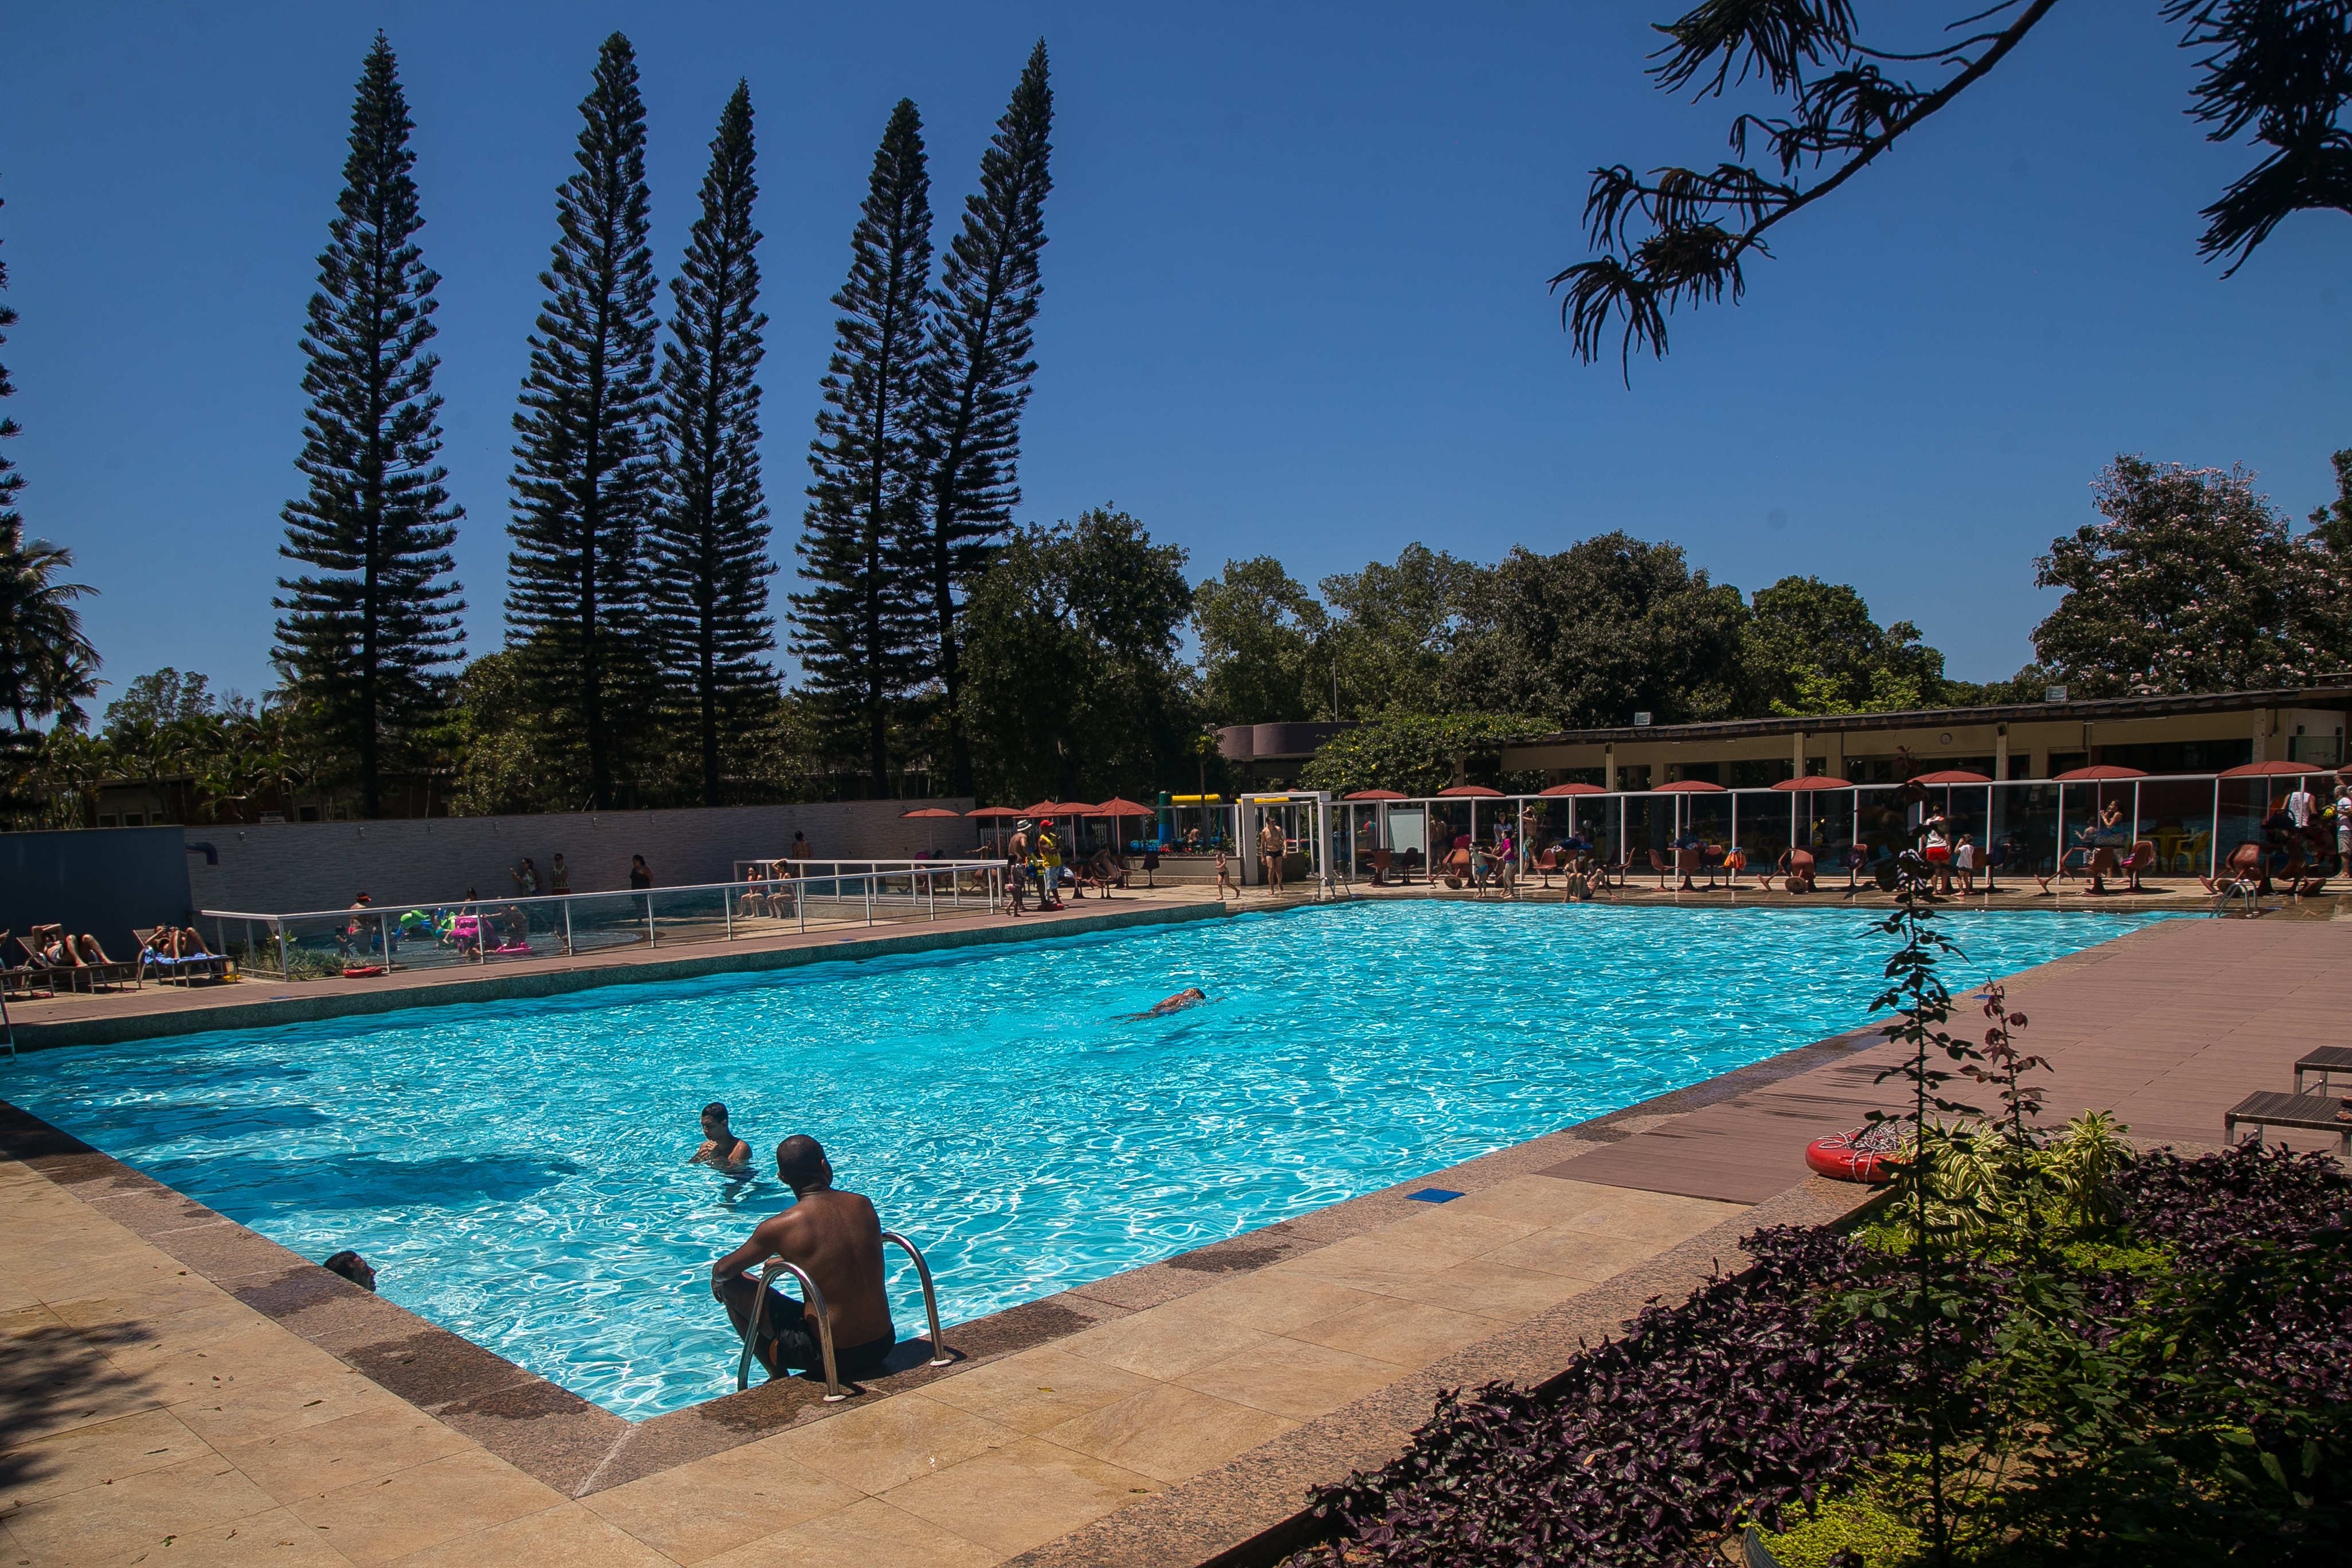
(103,881)
(280,868)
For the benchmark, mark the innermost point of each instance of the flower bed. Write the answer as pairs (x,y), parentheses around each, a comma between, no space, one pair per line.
(2164,1376)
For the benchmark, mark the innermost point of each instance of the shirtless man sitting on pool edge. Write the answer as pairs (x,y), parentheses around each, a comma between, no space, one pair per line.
(837,1237)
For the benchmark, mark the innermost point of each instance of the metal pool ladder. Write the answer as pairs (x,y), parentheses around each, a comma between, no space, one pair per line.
(815,1301)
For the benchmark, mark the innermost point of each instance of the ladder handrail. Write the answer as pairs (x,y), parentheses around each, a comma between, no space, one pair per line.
(815,1303)
(939,1356)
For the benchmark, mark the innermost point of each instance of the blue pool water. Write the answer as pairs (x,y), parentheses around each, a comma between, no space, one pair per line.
(516,1171)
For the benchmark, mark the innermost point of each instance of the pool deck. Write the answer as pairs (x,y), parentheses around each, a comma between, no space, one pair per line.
(173,1378)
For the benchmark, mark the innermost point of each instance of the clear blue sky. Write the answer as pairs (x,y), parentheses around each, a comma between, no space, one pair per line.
(1295,295)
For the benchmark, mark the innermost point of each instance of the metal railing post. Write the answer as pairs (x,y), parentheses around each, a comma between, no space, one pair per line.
(931,887)
(800,902)
(939,1356)
(653,936)
(815,1298)
(383,936)
(869,898)
(726,910)
(568,951)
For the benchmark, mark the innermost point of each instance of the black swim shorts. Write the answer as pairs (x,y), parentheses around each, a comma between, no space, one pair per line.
(788,1342)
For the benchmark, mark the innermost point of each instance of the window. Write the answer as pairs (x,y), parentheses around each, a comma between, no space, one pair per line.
(306,814)
(2183,756)
(1761,772)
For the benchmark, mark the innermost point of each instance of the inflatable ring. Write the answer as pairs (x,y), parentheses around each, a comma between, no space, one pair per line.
(1836,1157)
(365,970)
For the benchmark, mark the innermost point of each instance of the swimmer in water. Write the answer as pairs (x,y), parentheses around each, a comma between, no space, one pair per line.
(720,1147)
(1192,995)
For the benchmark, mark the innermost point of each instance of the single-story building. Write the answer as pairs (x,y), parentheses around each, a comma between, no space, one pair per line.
(2199,733)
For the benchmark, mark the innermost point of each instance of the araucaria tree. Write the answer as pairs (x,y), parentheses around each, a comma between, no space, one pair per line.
(367,634)
(977,381)
(587,464)
(706,556)
(856,627)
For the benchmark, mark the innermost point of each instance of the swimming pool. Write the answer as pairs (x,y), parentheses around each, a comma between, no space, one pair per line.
(516,1171)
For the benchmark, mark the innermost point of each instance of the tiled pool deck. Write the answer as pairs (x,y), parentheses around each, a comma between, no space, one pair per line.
(172,1379)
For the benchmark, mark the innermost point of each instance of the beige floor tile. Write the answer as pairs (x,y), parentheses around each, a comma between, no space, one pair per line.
(376,1521)
(101,1522)
(1036,1389)
(1440,1236)
(143,1295)
(565,1537)
(1490,1290)
(14,1296)
(93,1455)
(885,1444)
(1367,1262)
(1167,1433)
(1270,1302)
(1019,1496)
(235,1412)
(1535,1200)
(275,1539)
(1161,1345)
(872,1534)
(1292,1378)
(1579,1255)
(367,1445)
(1647,1216)
(1403,1333)
(714,1504)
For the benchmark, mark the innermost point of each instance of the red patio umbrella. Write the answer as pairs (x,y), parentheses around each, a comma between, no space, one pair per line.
(1378,795)
(929,814)
(996,814)
(1814,782)
(1690,787)
(2103,771)
(1950,777)
(1480,791)
(2271,770)
(1557,790)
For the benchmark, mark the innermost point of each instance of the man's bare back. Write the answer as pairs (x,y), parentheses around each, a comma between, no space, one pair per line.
(834,1234)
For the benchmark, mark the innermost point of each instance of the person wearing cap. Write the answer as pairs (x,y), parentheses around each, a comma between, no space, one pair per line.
(1016,865)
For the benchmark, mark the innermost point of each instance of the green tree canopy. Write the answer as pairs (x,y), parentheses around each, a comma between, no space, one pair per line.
(1419,753)
(1394,628)
(1261,655)
(2189,581)
(1811,647)
(1608,628)
(1074,689)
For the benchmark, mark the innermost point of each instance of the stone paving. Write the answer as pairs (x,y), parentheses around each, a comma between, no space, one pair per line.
(177,1389)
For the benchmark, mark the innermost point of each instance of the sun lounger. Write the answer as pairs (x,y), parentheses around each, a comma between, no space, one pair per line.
(2301,1112)
(2325,1061)
(108,969)
(73,972)
(30,979)
(182,967)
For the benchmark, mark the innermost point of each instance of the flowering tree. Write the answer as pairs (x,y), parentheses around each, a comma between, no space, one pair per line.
(2188,582)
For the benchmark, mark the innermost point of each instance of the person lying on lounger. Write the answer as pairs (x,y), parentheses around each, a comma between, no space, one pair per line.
(837,1237)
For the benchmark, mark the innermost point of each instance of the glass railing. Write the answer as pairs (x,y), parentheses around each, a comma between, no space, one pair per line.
(820,894)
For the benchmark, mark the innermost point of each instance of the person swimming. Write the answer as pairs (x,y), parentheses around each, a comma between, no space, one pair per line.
(721,1146)
(1191,997)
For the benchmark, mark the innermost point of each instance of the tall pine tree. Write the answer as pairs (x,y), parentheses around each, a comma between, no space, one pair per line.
(856,628)
(588,460)
(707,553)
(977,380)
(367,640)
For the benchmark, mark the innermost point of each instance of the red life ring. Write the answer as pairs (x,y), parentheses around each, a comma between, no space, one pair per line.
(1836,1157)
(361,973)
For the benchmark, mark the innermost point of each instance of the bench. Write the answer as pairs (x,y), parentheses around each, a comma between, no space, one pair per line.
(2324,1061)
(2303,1113)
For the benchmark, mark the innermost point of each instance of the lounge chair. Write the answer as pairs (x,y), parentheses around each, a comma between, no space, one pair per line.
(32,979)
(184,967)
(2302,1112)
(105,969)
(72,971)
(2326,1061)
